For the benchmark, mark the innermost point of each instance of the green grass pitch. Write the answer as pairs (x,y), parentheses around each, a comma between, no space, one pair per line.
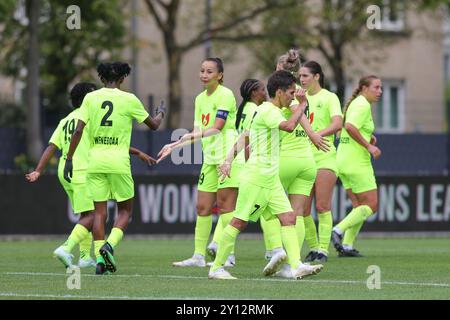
(410,269)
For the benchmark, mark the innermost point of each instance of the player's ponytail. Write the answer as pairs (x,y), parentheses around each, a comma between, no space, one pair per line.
(247,87)
(363,82)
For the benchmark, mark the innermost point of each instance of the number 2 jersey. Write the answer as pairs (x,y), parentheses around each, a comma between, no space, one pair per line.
(109,114)
(61,139)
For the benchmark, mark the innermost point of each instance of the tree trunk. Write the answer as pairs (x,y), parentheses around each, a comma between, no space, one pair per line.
(339,74)
(174,84)
(34,140)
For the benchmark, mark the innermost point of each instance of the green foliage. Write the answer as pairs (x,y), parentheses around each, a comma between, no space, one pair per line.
(66,55)
(12,115)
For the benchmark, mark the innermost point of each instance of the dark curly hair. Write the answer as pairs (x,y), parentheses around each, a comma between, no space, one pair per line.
(113,71)
(79,91)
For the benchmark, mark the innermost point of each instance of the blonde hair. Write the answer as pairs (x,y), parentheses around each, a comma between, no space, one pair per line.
(363,82)
(291,61)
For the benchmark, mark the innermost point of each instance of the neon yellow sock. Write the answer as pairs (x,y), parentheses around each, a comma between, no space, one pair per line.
(115,237)
(226,219)
(325,228)
(262,223)
(351,234)
(290,243)
(356,216)
(218,230)
(226,244)
(272,231)
(203,228)
(97,245)
(300,228)
(311,233)
(78,233)
(85,247)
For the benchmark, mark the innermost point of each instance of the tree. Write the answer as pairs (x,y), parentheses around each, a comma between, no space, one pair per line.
(330,27)
(61,55)
(34,143)
(224,24)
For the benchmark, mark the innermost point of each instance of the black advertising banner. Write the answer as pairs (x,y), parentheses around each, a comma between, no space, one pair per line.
(167,205)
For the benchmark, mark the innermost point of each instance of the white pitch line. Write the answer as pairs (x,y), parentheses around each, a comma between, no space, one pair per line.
(72,296)
(400,283)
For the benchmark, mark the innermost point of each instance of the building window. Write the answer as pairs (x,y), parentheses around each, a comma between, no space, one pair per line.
(389,111)
(393,15)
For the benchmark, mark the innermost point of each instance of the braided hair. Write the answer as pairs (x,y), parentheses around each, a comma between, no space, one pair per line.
(247,87)
(363,82)
(113,71)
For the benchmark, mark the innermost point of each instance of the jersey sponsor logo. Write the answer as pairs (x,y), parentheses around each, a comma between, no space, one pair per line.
(106,140)
(300,133)
(344,140)
(311,117)
(205,119)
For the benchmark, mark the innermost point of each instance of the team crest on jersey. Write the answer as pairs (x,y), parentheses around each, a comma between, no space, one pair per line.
(311,117)
(205,119)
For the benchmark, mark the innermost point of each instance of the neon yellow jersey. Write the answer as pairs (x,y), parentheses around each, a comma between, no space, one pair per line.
(61,139)
(359,114)
(261,168)
(323,106)
(215,148)
(244,125)
(297,143)
(110,114)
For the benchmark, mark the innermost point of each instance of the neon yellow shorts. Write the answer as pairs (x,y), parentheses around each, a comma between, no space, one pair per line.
(358,181)
(298,175)
(325,161)
(254,200)
(79,196)
(106,186)
(209,180)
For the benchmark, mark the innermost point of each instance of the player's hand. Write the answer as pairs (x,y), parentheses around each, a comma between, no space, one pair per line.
(164,153)
(32,176)
(373,140)
(225,170)
(300,95)
(68,170)
(161,109)
(146,158)
(374,151)
(320,142)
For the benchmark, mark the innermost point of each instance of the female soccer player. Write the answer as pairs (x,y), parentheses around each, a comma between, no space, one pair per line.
(109,113)
(357,144)
(77,192)
(214,124)
(297,165)
(253,93)
(261,191)
(326,119)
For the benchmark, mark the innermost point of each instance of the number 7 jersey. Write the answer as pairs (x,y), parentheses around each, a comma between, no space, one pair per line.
(109,114)
(61,139)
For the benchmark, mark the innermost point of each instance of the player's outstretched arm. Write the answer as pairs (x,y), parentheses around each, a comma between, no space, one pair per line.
(46,156)
(143,156)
